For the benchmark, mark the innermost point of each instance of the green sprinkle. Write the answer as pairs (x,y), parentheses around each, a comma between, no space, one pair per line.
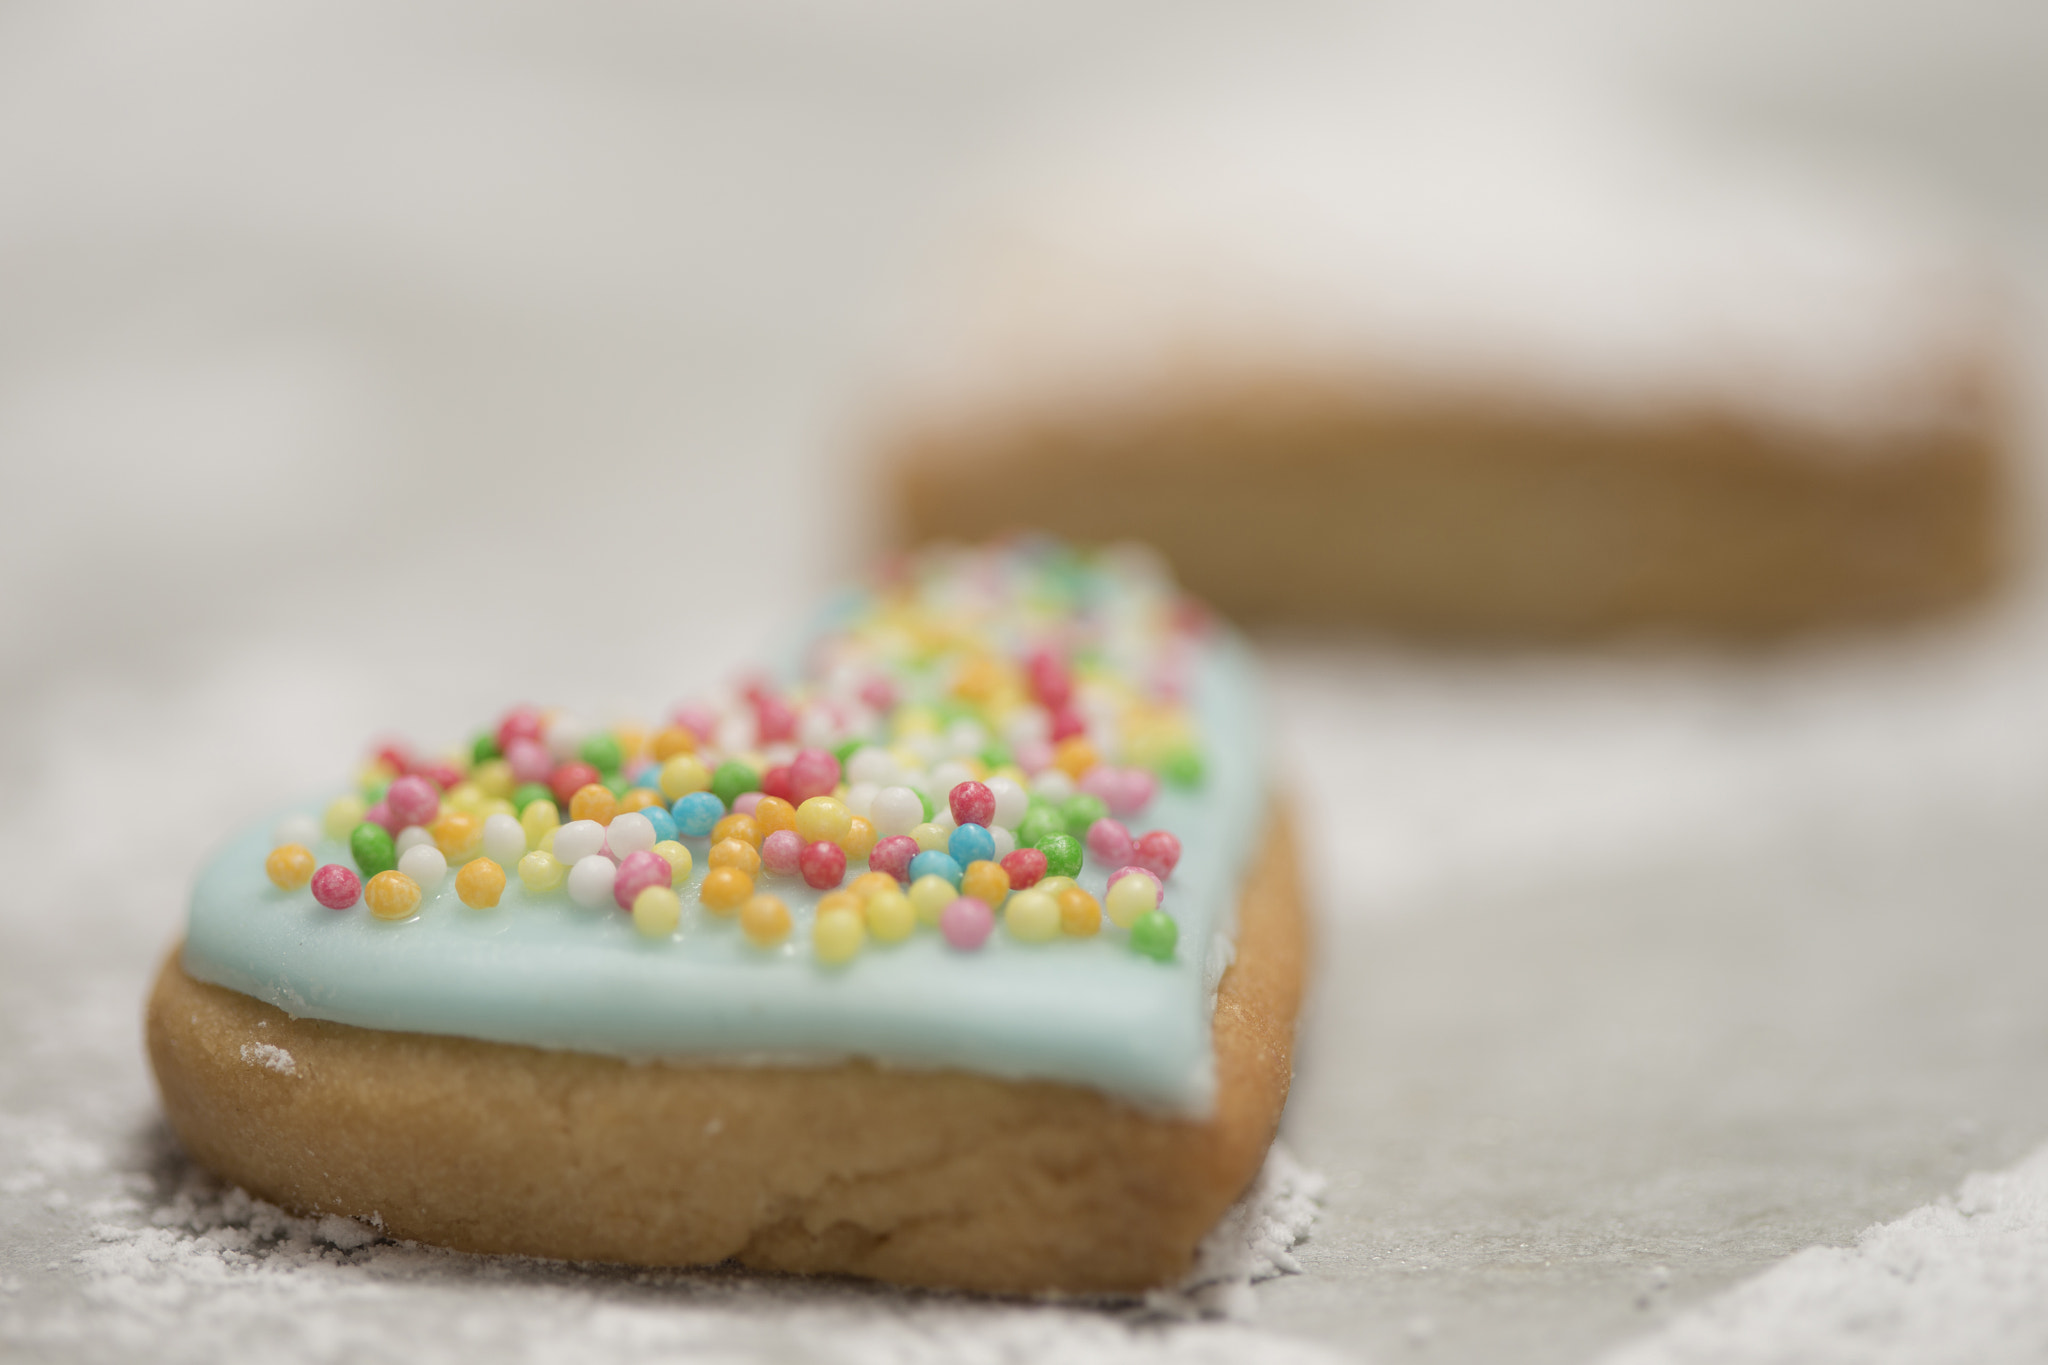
(996,755)
(602,753)
(1155,935)
(373,792)
(847,750)
(1039,823)
(617,784)
(733,780)
(1184,768)
(484,750)
(371,846)
(530,793)
(1080,811)
(1062,854)
(926,802)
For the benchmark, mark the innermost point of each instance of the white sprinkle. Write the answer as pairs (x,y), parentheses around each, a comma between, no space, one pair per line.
(270,1055)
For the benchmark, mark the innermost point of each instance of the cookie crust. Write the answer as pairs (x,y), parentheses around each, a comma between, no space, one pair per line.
(937,1178)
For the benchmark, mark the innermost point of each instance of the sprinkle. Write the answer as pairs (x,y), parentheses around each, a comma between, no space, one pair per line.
(1159,853)
(985,881)
(1032,917)
(640,870)
(893,855)
(335,887)
(972,804)
(733,778)
(425,865)
(812,773)
(570,778)
(890,915)
(629,833)
(837,936)
(782,851)
(504,840)
(370,845)
(683,775)
(656,912)
(392,895)
(1024,867)
(1130,896)
(537,819)
(970,844)
(577,840)
(930,896)
(1155,935)
(966,923)
(413,800)
(480,883)
(736,853)
(932,863)
(737,826)
(1109,842)
(823,820)
(859,839)
(823,864)
(1062,854)
(459,837)
(697,813)
(725,889)
(593,801)
(896,810)
(541,872)
(1080,916)
(665,830)
(590,881)
(765,921)
(678,858)
(772,813)
(289,866)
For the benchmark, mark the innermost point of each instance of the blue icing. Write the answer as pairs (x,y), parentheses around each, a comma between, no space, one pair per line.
(542,971)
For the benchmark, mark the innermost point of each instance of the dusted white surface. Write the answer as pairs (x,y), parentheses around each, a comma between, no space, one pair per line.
(1639,972)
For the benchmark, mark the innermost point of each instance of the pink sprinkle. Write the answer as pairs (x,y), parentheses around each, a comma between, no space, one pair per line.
(413,801)
(1136,791)
(746,803)
(776,719)
(698,720)
(521,722)
(444,776)
(640,871)
(1049,678)
(972,804)
(380,814)
(1067,723)
(1026,867)
(893,854)
(966,923)
(1109,842)
(782,852)
(823,865)
(813,772)
(1159,853)
(878,694)
(1033,757)
(335,887)
(530,760)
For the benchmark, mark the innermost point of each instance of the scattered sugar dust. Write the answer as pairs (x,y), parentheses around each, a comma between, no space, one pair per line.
(183,1268)
(1964,1279)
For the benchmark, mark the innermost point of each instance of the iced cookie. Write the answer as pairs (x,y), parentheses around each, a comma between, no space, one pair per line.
(967,954)
(1438,364)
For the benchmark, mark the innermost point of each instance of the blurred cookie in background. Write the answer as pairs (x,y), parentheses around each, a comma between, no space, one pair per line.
(1461,362)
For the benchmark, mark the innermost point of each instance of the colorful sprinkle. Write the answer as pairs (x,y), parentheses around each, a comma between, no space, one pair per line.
(335,887)
(1155,935)
(1062,854)
(371,847)
(480,883)
(656,912)
(837,936)
(765,921)
(425,864)
(541,872)
(966,923)
(971,844)
(1032,917)
(391,895)
(697,814)
(289,866)
(890,915)
(637,872)
(985,881)
(590,881)
(823,864)
(725,890)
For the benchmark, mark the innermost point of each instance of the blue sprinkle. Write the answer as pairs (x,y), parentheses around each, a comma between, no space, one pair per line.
(971,844)
(664,823)
(697,813)
(935,864)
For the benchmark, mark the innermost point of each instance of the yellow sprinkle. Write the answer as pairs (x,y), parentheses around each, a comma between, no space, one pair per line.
(679,860)
(480,883)
(872,884)
(1080,916)
(344,813)
(1032,916)
(930,838)
(837,936)
(392,895)
(682,775)
(931,894)
(890,915)
(493,778)
(540,819)
(289,866)
(657,911)
(986,882)
(541,871)
(460,837)
(765,921)
(823,820)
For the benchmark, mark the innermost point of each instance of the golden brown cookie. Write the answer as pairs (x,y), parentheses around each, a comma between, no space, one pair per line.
(920,1177)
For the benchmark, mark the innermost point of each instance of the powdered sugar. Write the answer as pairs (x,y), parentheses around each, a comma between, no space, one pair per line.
(199,1271)
(270,1055)
(1961,1279)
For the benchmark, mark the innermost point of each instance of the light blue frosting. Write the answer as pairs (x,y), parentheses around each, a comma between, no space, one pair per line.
(543,971)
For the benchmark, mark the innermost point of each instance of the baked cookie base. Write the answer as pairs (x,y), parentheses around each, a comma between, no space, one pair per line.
(937,1178)
(1284,501)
